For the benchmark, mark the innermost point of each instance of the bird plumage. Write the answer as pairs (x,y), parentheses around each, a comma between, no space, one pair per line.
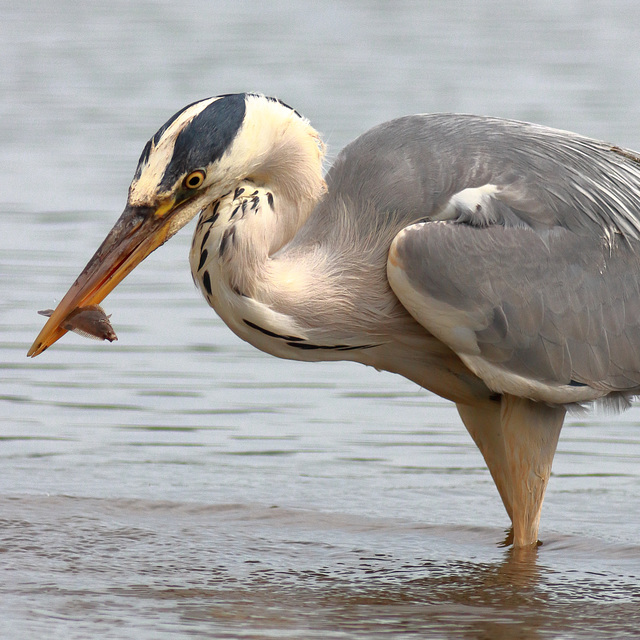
(493,262)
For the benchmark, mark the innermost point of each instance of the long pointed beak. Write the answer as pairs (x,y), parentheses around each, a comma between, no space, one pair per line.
(138,231)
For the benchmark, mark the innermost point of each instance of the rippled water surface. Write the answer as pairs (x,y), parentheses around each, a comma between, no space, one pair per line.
(177,482)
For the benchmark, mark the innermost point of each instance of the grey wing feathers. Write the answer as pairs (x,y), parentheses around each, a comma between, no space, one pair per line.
(415,165)
(527,260)
(547,315)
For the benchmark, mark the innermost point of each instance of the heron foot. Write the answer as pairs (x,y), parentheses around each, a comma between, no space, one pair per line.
(510,537)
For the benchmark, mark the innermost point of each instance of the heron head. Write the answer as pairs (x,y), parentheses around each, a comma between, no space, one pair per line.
(196,157)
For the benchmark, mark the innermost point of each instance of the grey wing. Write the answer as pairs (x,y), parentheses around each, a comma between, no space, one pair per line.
(549,314)
(527,262)
(518,246)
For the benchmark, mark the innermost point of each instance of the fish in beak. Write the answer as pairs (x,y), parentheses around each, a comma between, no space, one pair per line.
(90,322)
(139,231)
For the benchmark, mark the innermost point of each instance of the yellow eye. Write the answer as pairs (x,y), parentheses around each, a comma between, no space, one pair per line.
(194,179)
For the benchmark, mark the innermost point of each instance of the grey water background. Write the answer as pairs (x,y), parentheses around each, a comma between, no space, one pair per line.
(178,483)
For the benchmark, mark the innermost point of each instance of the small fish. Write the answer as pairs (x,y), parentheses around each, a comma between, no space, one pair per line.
(90,322)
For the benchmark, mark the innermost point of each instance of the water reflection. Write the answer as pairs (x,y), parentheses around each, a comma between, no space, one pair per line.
(512,598)
(212,570)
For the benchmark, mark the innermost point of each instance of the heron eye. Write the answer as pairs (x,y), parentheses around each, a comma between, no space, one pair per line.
(194,179)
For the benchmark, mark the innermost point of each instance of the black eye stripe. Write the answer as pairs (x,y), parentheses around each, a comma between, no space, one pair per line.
(206,137)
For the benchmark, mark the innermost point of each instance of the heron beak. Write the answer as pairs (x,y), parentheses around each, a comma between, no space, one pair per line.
(138,231)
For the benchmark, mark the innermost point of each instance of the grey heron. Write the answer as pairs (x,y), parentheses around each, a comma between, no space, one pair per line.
(494,262)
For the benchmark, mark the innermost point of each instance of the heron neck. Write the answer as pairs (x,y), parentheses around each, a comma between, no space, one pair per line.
(237,237)
(313,296)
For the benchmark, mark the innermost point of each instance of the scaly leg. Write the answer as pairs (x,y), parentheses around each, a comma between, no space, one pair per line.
(517,438)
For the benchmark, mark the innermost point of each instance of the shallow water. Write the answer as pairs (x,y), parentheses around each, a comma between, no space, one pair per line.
(179,483)
(142,568)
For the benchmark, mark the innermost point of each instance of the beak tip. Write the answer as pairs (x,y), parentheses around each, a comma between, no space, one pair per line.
(42,343)
(35,350)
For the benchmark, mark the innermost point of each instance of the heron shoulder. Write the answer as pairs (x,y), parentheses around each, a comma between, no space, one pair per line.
(420,164)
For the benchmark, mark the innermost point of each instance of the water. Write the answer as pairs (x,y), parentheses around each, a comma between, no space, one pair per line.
(178,483)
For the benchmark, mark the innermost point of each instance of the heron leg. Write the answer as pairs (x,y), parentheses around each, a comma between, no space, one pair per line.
(517,438)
